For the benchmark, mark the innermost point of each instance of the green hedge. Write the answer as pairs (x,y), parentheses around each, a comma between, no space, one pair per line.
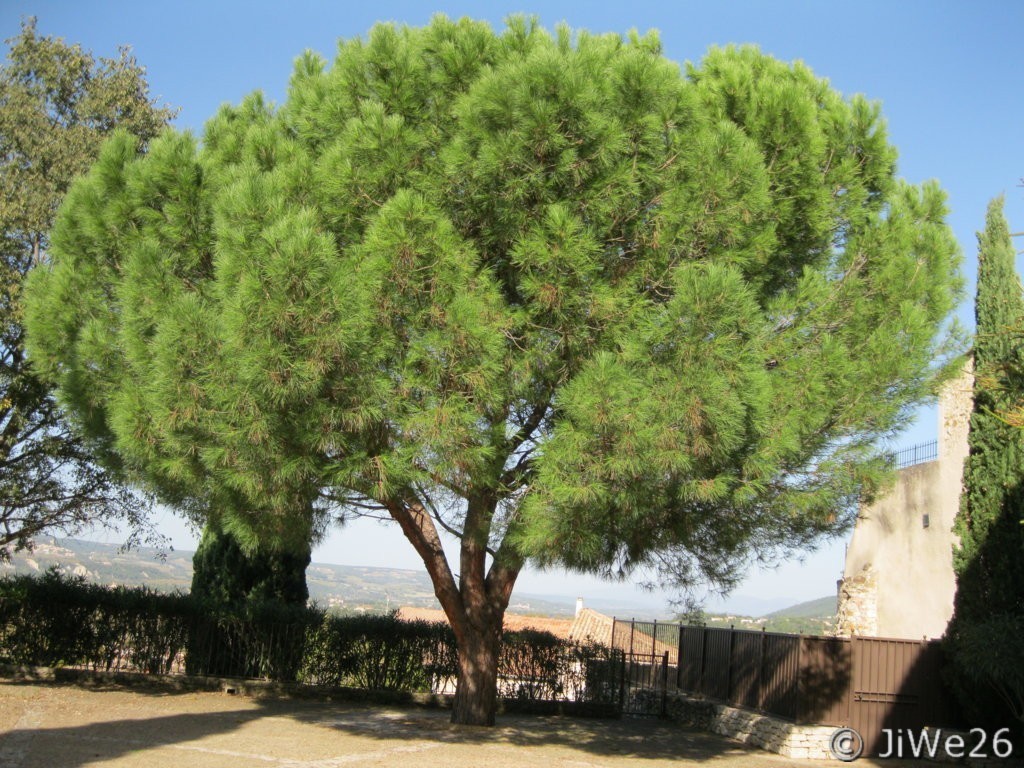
(59,621)
(378,653)
(55,620)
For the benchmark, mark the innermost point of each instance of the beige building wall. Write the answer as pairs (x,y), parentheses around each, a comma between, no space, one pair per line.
(898,580)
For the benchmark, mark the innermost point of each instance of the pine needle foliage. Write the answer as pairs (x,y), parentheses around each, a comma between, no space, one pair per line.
(551,293)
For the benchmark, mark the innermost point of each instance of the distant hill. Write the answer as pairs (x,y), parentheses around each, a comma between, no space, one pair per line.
(812,609)
(106,564)
(343,588)
(363,589)
(814,617)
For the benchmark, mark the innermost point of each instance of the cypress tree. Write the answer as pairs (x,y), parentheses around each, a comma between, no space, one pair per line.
(229,577)
(263,584)
(985,634)
(551,293)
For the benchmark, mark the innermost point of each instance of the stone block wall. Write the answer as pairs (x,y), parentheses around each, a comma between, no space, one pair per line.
(858,604)
(769,733)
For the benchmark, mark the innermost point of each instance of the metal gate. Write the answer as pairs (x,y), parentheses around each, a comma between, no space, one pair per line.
(871,684)
(897,684)
(650,652)
(644,684)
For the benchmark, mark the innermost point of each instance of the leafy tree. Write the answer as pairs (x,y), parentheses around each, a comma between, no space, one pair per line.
(548,294)
(57,104)
(983,636)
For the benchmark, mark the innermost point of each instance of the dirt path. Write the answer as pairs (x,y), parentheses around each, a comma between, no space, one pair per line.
(63,726)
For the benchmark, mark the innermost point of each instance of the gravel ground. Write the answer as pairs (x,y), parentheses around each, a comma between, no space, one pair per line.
(46,725)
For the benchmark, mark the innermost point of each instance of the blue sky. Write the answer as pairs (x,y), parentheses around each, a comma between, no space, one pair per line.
(947,73)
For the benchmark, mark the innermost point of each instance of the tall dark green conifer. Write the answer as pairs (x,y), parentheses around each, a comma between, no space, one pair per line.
(985,634)
(229,576)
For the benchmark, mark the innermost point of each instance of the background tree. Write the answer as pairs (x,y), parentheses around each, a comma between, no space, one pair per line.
(57,104)
(226,575)
(984,640)
(546,294)
(1012,376)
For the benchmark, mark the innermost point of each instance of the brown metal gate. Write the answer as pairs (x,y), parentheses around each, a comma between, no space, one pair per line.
(896,684)
(871,684)
(874,684)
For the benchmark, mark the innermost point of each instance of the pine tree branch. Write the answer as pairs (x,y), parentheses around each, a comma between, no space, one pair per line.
(418,527)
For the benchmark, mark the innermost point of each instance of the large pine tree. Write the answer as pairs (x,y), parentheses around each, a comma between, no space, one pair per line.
(553,295)
(985,634)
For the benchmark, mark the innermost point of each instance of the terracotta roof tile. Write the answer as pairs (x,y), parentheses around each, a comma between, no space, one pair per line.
(513,621)
(589,625)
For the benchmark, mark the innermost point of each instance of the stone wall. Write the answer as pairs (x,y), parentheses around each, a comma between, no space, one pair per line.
(769,733)
(858,604)
(898,579)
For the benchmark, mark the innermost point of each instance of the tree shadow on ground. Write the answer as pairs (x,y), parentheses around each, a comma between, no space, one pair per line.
(344,727)
(99,741)
(645,738)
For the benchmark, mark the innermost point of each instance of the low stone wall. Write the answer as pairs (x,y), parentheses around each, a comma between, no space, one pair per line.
(770,733)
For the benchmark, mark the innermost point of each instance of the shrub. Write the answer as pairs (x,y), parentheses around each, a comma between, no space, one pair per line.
(60,620)
(379,653)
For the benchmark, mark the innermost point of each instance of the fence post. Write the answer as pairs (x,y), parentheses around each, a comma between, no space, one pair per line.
(679,661)
(728,686)
(760,670)
(703,659)
(622,682)
(799,678)
(664,684)
(854,643)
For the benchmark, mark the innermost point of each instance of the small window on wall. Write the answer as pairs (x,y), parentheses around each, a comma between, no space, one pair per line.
(924,520)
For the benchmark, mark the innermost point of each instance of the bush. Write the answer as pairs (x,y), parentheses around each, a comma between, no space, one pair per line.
(58,620)
(987,669)
(531,664)
(262,641)
(379,653)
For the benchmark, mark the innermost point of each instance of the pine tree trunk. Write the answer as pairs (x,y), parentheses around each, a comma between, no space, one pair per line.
(476,692)
(475,606)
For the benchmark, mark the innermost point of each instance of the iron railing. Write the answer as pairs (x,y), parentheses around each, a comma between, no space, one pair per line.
(915,454)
